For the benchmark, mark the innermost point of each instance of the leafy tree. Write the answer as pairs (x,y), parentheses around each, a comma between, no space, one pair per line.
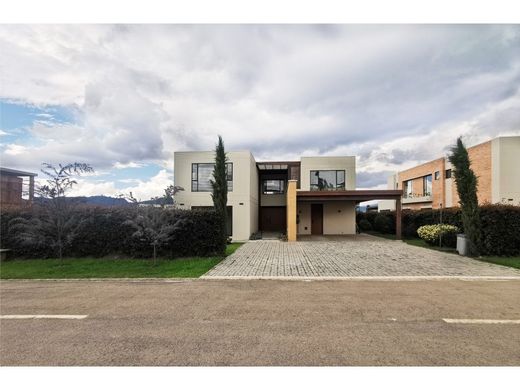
(169,195)
(56,225)
(151,227)
(467,185)
(219,185)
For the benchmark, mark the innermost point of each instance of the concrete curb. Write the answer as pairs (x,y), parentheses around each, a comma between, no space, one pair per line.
(276,278)
(132,280)
(365,278)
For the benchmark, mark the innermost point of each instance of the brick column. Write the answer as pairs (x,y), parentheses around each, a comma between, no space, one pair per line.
(291,210)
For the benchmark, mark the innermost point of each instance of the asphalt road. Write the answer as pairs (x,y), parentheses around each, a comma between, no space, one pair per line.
(262,322)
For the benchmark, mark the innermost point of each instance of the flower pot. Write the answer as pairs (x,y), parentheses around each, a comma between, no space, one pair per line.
(462,245)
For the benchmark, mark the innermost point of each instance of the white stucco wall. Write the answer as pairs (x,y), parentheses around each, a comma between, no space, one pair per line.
(243,198)
(505,170)
(304,217)
(339,217)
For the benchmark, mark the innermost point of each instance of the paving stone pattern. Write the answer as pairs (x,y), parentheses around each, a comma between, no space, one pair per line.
(347,258)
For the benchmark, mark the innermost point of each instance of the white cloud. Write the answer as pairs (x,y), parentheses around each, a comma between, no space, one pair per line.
(141,189)
(393,95)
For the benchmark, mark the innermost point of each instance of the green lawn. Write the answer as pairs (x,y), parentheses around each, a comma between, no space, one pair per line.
(507,261)
(110,268)
(422,244)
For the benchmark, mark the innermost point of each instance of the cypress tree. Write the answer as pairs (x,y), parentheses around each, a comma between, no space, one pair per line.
(467,185)
(219,185)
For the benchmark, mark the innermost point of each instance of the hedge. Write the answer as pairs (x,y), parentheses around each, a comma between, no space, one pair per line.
(102,232)
(500,225)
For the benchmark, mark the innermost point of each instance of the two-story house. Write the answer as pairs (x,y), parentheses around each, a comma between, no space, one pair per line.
(313,196)
(496,164)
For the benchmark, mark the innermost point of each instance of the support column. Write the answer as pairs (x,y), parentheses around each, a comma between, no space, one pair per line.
(398,218)
(31,189)
(291,210)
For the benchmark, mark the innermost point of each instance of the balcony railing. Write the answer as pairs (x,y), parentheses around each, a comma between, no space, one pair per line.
(417,198)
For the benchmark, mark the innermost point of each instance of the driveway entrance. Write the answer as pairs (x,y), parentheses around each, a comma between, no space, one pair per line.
(348,256)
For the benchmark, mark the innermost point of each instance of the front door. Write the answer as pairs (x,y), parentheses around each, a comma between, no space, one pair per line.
(273,219)
(316,219)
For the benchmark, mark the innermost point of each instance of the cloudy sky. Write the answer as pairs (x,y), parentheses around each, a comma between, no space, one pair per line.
(124,98)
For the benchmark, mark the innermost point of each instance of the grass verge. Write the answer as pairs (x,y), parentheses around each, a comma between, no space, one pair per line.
(71,268)
(513,262)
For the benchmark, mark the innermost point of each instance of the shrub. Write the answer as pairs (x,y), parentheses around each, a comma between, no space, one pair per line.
(382,223)
(432,234)
(102,232)
(365,225)
(500,230)
(500,225)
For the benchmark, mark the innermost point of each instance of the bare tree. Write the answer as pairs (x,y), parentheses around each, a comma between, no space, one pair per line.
(57,224)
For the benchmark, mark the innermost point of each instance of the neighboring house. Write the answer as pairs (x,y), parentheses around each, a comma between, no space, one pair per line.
(432,185)
(13,187)
(316,195)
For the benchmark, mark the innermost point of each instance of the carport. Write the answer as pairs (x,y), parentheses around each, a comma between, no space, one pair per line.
(357,196)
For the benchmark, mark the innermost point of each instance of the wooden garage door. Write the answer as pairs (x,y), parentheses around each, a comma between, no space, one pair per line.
(273,219)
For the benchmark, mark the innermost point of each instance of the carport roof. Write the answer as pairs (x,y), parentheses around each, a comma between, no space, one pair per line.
(357,195)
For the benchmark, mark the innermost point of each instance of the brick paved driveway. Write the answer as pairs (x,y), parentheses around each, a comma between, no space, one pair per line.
(348,257)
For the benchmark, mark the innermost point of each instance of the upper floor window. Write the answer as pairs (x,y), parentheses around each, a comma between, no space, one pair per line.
(437,175)
(327,180)
(407,189)
(448,174)
(202,174)
(271,187)
(427,185)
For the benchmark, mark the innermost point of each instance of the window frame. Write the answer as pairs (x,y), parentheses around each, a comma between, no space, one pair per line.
(425,185)
(408,188)
(270,192)
(195,176)
(343,188)
(437,175)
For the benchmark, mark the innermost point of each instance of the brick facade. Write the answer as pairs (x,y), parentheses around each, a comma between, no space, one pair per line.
(480,157)
(416,174)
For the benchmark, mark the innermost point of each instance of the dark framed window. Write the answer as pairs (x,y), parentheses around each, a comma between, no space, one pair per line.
(272,187)
(328,180)
(437,175)
(448,174)
(202,174)
(407,188)
(427,185)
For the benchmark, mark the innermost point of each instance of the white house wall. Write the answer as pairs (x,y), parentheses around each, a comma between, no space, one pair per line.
(243,198)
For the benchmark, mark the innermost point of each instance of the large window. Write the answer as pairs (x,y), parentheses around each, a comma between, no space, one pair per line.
(272,187)
(202,174)
(407,189)
(427,185)
(327,180)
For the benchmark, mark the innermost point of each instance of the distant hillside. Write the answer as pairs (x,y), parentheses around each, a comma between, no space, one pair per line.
(98,200)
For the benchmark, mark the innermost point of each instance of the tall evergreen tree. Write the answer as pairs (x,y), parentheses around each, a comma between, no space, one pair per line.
(219,185)
(467,184)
